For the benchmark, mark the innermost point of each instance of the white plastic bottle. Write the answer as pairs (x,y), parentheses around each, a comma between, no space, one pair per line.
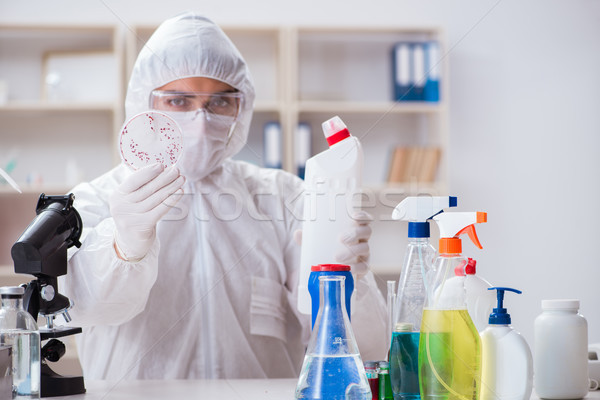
(506,362)
(480,300)
(332,179)
(19,330)
(561,351)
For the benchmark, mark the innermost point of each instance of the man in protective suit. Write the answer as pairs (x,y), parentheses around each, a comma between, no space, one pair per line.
(192,271)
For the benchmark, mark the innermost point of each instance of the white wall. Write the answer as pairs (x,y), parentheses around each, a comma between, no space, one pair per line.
(525,120)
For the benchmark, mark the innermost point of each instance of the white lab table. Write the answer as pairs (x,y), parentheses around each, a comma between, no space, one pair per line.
(222,389)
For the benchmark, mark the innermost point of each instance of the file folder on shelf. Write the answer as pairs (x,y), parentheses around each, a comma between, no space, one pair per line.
(302,145)
(432,65)
(419,73)
(401,69)
(416,72)
(272,144)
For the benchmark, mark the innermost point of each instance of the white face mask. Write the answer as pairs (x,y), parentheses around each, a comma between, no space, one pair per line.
(204,142)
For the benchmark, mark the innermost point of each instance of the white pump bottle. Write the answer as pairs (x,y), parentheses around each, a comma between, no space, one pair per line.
(507,364)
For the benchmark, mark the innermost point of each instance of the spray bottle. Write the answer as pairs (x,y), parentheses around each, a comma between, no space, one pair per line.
(507,364)
(332,178)
(449,346)
(408,307)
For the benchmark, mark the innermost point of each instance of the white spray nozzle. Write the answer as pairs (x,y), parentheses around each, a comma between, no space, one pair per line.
(422,208)
(451,224)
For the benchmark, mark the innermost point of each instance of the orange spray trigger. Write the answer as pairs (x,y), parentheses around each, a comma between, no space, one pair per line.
(470,230)
(452,225)
(481,217)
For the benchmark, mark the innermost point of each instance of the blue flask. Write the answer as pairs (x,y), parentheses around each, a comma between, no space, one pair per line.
(332,367)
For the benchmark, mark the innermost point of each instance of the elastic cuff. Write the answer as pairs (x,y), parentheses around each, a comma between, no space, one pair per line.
(121,254)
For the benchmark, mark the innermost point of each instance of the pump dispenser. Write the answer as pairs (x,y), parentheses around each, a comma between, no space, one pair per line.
(331,180)
(507,364)
(449,345)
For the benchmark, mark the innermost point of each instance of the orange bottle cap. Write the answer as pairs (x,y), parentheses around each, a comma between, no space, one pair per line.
(450,246)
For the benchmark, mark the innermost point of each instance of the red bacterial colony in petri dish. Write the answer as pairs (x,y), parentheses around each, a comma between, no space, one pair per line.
(148,138)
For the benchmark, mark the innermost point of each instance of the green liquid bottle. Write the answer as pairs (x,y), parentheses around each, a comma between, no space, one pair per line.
(385,384)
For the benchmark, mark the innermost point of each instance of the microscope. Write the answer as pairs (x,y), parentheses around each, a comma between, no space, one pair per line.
(41,251)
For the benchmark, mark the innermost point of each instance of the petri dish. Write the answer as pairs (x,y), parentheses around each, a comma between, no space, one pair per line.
(150,137)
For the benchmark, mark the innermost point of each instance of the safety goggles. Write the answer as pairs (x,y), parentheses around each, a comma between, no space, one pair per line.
(225,105)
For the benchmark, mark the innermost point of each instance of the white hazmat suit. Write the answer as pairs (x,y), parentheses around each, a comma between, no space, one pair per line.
(215,296)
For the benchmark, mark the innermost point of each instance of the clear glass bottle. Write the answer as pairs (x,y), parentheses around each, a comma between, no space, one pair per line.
(19,330)
(332,367)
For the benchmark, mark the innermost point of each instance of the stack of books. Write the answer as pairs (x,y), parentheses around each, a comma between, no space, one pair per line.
(410,164)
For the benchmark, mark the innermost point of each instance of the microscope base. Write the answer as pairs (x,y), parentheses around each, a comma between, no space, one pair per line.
(53,384)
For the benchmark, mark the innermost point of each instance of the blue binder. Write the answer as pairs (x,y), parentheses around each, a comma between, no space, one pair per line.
(409,70)
(419,71)
(416,71)
(402,71)
(432,65)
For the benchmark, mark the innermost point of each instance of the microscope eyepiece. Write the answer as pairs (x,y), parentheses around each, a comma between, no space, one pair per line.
(42,247)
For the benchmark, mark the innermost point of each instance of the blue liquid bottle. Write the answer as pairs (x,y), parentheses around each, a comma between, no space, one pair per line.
(404,362)
(332,367)
(408,309)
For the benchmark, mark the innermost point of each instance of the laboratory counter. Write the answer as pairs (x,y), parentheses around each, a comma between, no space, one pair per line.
(222,389)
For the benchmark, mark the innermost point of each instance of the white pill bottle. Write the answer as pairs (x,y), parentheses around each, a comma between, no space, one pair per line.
(561,351)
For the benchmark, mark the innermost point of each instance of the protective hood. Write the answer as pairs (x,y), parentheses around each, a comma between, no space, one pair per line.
(190,45)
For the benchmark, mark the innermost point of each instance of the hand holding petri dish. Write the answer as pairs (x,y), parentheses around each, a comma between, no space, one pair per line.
(150,137)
